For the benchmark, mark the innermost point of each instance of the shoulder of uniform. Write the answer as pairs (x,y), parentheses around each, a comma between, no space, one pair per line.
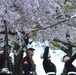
(25,62)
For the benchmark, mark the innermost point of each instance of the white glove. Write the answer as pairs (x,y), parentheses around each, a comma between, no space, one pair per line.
(24,49)
(5,70)
(46,43)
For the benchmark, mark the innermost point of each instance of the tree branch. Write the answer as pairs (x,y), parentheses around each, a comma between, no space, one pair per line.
(49,26)
(63,42)
(11,33)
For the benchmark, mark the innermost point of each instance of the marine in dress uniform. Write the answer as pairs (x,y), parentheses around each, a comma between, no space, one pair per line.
(26,64)
(48,66)
(71,70)
(9,69)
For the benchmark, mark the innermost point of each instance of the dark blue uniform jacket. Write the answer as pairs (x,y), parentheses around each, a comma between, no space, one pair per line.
(26,66)
(9,63)
(47,64)
(69,66)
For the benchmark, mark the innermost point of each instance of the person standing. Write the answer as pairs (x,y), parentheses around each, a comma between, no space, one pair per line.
(71,70)
(48,66)
(5,70)
(26,63)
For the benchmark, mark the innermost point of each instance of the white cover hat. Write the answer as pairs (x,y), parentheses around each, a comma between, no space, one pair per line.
(29,46)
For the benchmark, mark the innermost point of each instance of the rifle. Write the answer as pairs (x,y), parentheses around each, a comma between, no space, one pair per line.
(5,44)
(49,26)
(25,42)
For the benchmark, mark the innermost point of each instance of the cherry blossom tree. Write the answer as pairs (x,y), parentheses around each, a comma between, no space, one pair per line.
(27,15)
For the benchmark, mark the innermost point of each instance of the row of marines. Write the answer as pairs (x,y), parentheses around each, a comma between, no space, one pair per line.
(48,66)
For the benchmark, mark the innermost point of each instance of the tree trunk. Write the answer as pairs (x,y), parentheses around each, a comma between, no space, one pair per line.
(17,64)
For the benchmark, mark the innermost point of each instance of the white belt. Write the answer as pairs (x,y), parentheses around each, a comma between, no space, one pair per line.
(50,73)
(71,73)
(31,72)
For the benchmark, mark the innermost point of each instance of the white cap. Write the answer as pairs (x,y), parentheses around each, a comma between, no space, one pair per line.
(29,46)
